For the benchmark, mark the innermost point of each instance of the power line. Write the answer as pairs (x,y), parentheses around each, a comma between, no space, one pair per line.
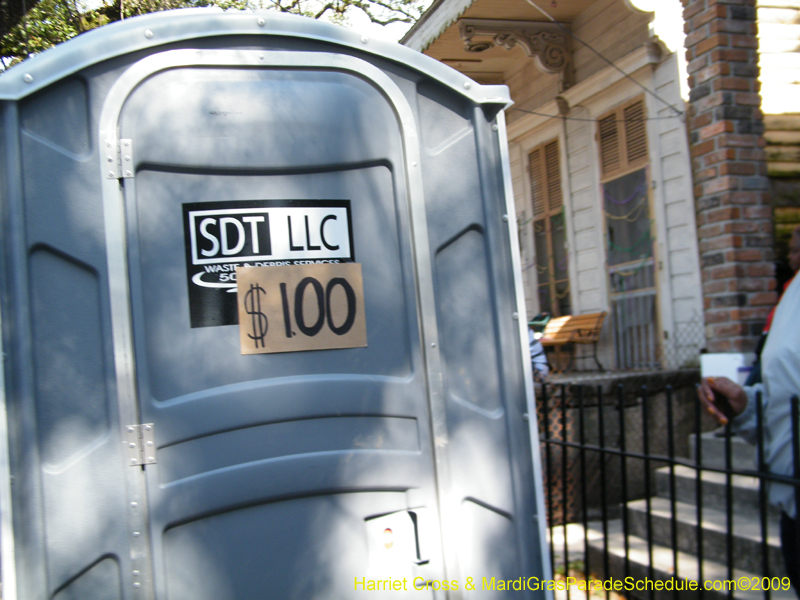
(640,120)
(610,62)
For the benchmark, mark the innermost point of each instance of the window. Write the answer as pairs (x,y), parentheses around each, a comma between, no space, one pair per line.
(549,230)
(622,138)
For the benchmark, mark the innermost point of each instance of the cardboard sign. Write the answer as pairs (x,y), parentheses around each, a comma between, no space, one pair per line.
(300,307)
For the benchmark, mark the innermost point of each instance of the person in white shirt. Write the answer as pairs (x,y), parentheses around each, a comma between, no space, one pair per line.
(780,366)
(538,358)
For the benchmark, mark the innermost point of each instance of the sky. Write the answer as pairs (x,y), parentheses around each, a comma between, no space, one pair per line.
(357,20)
(390,33)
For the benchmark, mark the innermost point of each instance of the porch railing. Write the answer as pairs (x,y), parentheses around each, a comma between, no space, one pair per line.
(604,453)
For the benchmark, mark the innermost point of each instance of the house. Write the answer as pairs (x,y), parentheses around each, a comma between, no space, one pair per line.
(638,191)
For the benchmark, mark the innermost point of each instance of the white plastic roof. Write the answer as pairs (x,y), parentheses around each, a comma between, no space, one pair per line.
(153,30)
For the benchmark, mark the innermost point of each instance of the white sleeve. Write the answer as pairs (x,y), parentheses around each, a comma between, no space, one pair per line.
(538,357)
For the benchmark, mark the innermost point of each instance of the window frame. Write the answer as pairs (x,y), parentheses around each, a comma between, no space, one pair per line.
(552,208)
(626,166)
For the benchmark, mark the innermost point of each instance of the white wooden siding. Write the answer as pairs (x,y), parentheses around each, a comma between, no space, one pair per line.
(589,291)
(611,28)
(517,159)
(677,215)
(679,274)
(530,88)
(585,198)
(584,219)
(684,263)
(608,25)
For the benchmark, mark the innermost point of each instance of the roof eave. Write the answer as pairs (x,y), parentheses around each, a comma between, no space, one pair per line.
(160,29)
(440,15)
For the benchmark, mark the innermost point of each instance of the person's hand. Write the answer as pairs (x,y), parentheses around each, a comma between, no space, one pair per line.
(723,398)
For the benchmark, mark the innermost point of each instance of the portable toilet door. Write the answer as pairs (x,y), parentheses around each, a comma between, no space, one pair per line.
(376,440)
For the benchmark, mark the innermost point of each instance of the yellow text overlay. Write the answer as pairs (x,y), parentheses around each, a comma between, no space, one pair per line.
(628,584)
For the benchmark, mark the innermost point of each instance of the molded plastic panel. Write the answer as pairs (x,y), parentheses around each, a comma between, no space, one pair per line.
(235,429)
(275,474)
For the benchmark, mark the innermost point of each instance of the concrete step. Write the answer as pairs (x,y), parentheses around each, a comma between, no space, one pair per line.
(745,490)
(664,569)
(743,455)
(746,539)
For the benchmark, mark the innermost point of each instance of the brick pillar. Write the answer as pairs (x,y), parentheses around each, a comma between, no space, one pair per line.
(734,212)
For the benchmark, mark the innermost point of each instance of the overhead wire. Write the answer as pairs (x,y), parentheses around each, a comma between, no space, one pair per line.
(639,120)
(601,56)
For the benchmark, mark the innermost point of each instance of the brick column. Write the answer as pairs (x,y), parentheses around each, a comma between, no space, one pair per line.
(734,213)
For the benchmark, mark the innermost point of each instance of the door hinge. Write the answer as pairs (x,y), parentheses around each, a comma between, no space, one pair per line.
(119,157)
(140,443)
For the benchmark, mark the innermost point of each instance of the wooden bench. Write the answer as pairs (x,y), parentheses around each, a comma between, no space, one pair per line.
(575,329)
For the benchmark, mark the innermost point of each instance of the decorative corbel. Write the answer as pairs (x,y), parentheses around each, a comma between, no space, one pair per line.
(546,43)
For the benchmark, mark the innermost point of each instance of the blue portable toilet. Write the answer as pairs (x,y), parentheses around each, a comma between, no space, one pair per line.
(148,456)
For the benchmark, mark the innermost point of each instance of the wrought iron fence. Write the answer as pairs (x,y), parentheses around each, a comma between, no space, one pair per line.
(653,499)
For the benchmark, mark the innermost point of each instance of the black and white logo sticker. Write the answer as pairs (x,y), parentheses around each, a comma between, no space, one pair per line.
(221,236)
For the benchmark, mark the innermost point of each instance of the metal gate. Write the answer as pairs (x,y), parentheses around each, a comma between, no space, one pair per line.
(631,271)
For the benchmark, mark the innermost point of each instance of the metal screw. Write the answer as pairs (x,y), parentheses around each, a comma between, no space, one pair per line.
(110,159)
(149,443)
(151,459)
(133,461)
(261,22)
(130,429)
(111,173)
(27,78)
(128,174)
(148,34)
(505,218)
(467,85)
(364,39)
(131,445)
(515,316)
(495,127)
(260,57)
(134,504)
(147,427)
(525,417)
(136,573)
(414,164)
(137,585)
(433,344)
(135,534)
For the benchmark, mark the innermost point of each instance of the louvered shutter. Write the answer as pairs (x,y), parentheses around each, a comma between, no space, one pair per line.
(635,133)
(609,144)
(549,233)
(554,195)
(622,137)
(538,189)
